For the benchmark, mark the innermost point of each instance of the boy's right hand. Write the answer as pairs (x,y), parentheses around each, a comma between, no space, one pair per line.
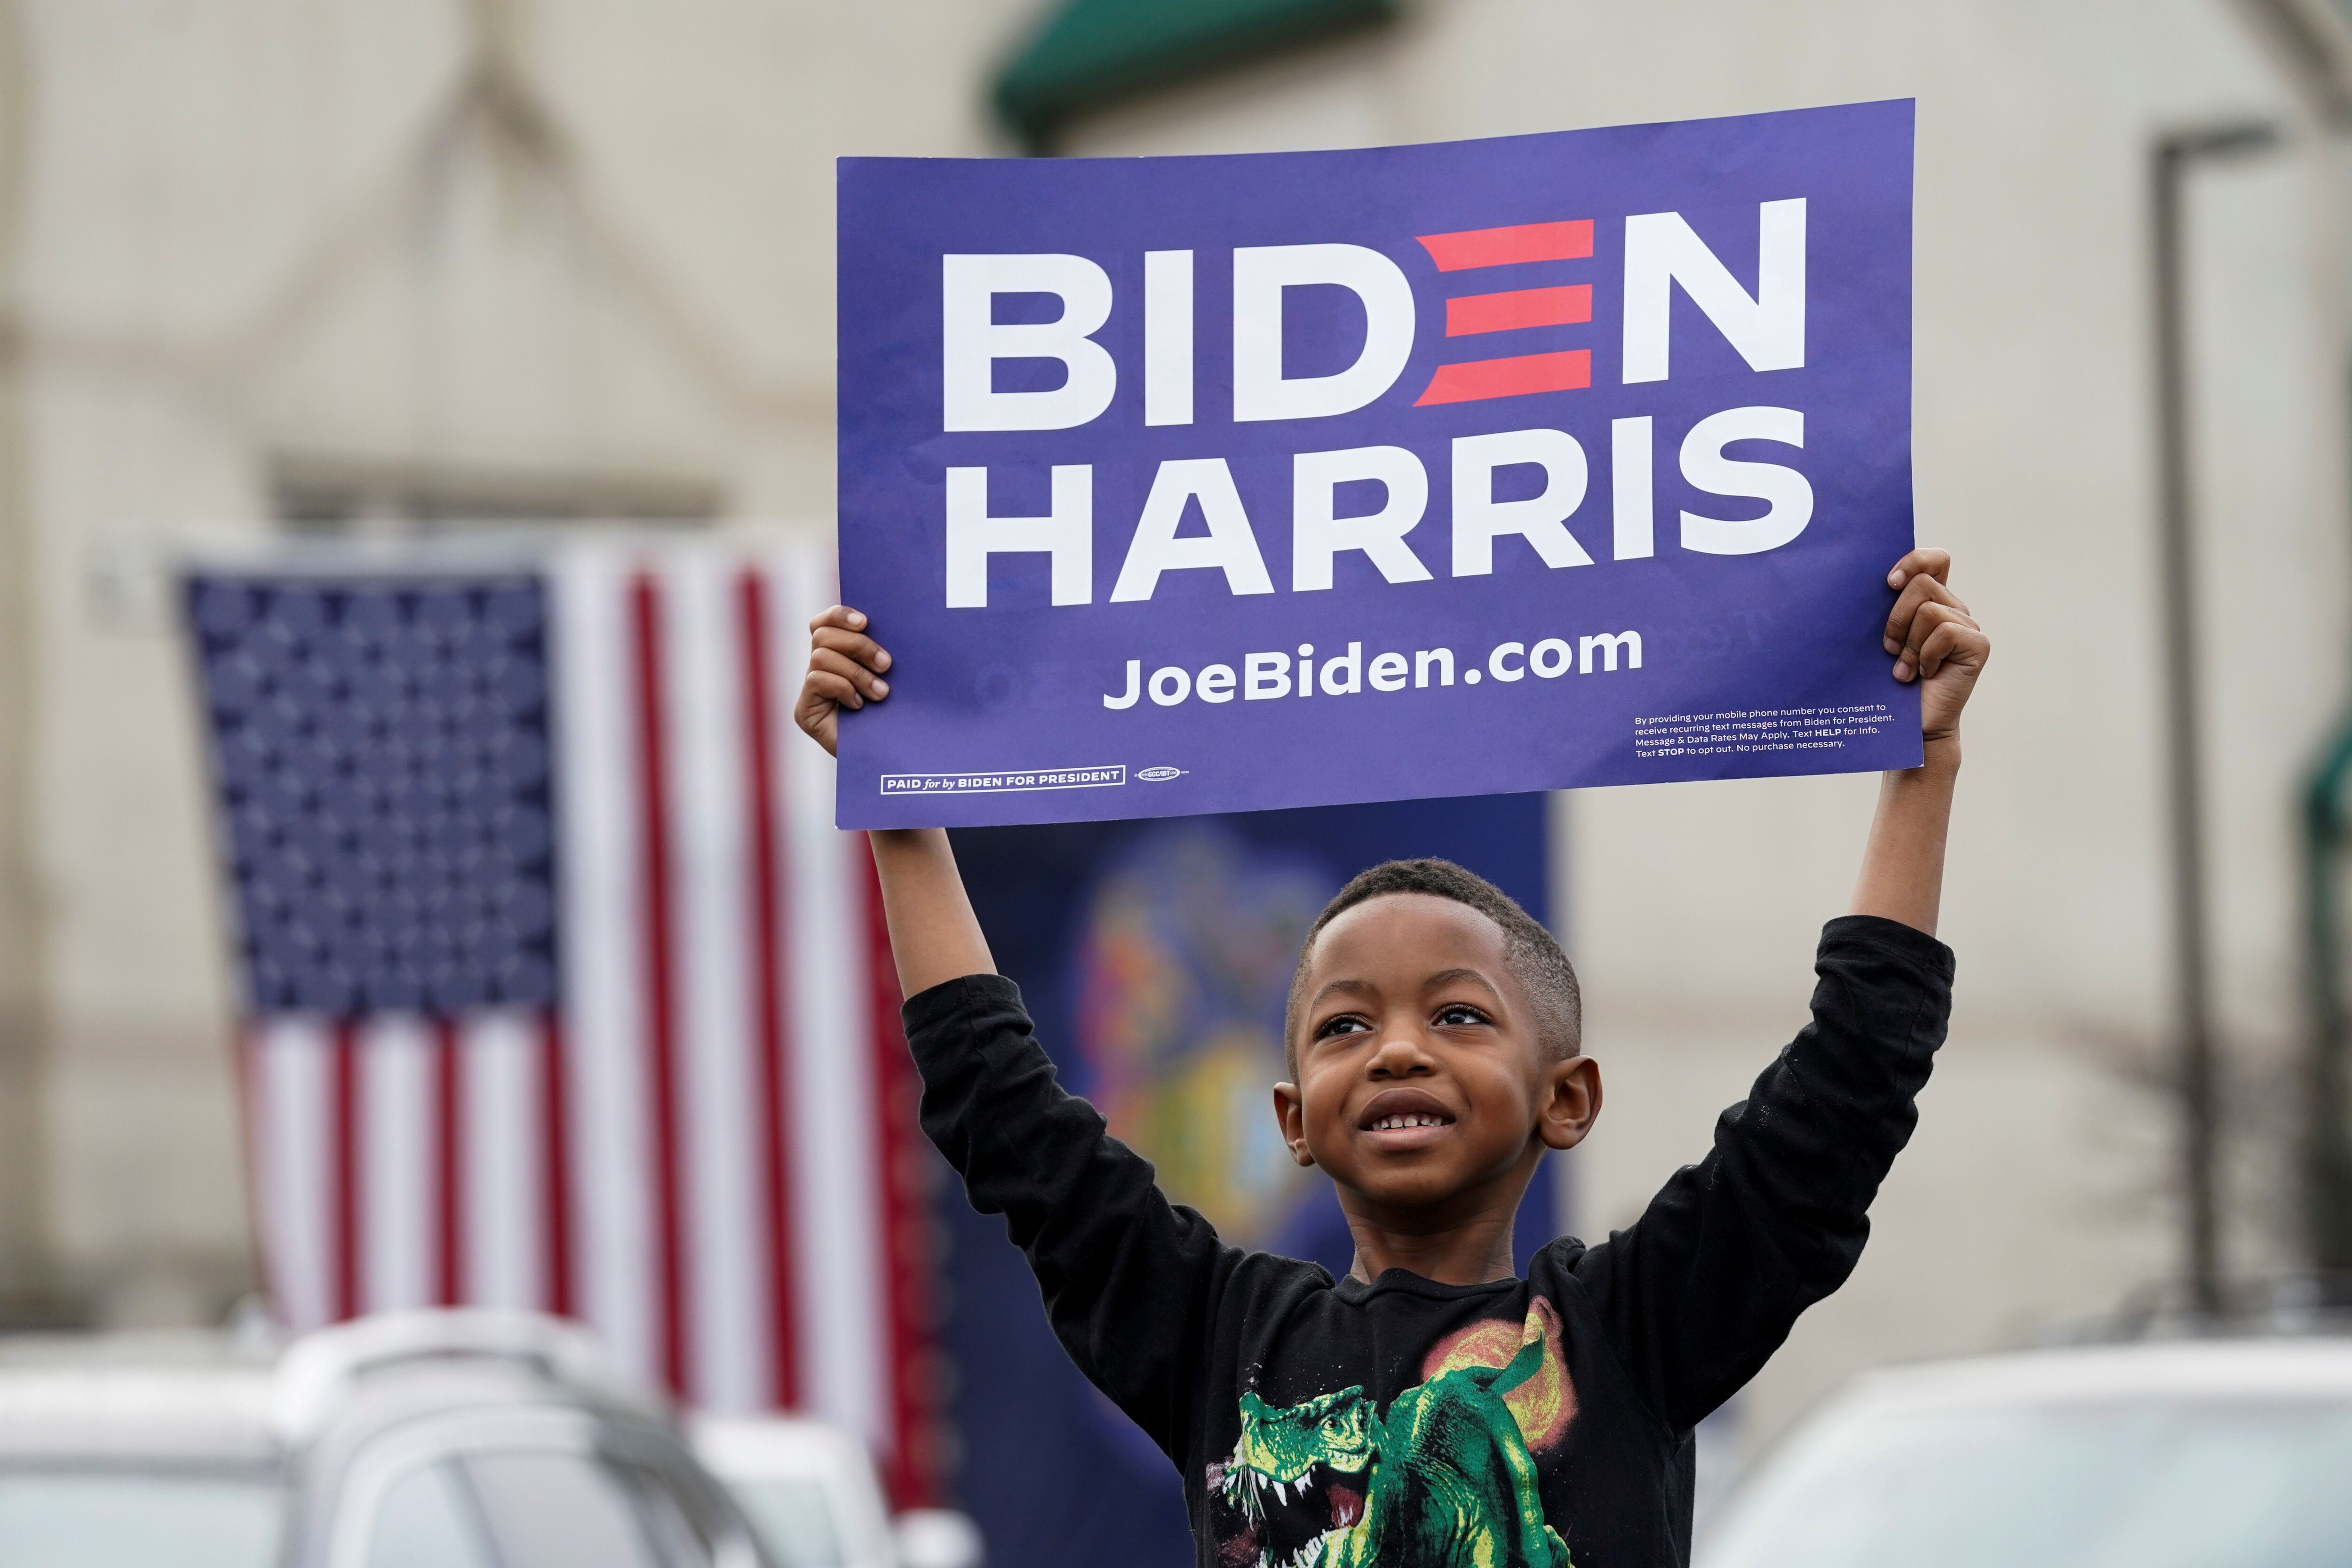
(845,671)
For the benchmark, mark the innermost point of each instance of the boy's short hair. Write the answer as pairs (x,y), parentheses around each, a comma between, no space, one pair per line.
(1533,955)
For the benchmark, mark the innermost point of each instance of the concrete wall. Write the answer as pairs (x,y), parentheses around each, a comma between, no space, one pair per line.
(580,249)
(21,1163)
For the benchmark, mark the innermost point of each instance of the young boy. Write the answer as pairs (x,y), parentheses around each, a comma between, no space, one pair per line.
(1432,1410)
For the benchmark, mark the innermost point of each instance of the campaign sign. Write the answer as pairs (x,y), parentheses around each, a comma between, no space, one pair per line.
(1209,484)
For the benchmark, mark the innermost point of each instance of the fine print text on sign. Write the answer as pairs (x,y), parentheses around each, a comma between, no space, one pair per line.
(1227,483)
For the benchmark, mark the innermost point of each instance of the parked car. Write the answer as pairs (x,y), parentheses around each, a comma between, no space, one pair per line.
(2197,1451)
(808,1490)
(811,1494)
(464,1439)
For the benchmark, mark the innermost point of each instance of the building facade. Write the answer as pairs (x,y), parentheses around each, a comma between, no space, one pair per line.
(369,268)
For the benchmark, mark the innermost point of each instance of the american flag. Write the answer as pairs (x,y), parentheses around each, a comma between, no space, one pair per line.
(563,990)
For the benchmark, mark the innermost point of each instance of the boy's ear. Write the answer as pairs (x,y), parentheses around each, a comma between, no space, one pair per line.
(1290,1115)
(1571,1102)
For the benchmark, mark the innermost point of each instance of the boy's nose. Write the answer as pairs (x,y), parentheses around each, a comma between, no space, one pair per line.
(1399,1054)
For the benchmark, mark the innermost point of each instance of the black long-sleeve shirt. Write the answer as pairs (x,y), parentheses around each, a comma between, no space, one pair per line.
(1353,1425)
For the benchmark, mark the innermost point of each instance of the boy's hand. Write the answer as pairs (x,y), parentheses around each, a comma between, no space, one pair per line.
(1935,641)
(845,671)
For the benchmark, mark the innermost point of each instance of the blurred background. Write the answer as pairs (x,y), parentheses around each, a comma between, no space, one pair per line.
(370,275)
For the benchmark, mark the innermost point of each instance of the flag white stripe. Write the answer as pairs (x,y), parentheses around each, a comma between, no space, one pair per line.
(504,1141)
(785,579)
(779,675)
(298,1176)
(837,1217)
(604,1014)
(398,1184)
(725,1293)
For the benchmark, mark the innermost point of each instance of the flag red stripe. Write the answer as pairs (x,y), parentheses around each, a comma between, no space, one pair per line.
(345,1087)
(1515,377)
(910,1467)
(1468,248)
(661,1000)
(555,1152)
(768,1001)
(1561,307)
(450,1145)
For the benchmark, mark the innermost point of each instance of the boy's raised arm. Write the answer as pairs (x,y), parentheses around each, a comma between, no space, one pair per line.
(1935,641)
(934,936)
(1128,1278)
(1705,1285)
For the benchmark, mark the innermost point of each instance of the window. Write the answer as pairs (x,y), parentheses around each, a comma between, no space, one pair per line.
(2256,1484)
(428,1519)
(132,1519)
(553,1509)
(792,1519)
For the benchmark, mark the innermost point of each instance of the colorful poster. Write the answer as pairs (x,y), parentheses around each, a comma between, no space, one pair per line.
(1187,485)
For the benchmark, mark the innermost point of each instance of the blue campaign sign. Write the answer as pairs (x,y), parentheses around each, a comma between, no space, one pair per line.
(1188,485)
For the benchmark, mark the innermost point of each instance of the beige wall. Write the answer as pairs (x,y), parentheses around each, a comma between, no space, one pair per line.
(21,1156)
(279,235)
(270,231)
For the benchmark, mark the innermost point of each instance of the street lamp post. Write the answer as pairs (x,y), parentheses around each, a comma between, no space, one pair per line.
(2174,154)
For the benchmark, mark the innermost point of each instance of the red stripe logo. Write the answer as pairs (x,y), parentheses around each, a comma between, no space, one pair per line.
(1569,370)
(1562,306)
(1512,310)
(1571,241)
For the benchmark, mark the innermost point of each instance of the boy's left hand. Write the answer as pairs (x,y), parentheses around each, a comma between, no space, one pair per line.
(1935,641)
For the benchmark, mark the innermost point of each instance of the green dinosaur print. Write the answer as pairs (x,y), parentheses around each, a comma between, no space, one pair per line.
(1443,1481)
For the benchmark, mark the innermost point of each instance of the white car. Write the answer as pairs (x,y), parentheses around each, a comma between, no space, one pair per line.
(465,1439)
(812,1495)
(2151,1454)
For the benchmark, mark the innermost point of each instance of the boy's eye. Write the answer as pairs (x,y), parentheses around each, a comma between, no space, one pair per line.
(1460,1014)
(1345,1023)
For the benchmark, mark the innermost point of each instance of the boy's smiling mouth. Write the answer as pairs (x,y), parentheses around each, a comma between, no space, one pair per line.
(1404,1119)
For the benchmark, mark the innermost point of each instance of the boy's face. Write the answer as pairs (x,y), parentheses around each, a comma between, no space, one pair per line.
(1422,1082)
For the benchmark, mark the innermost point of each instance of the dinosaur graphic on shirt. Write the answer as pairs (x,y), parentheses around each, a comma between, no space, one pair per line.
(1443,1479)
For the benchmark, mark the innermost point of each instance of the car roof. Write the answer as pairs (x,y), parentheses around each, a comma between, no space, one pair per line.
(457,1355)
(197,1398)
(192,1398)
(772,1446)
(2183,1369)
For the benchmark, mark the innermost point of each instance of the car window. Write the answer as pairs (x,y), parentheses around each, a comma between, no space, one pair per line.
(673,1526)
(793,1518)
(428,1519)
(51,1519)
(564,1510)
(2147,1482)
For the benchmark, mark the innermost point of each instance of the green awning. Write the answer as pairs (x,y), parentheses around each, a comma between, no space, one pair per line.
(1091,53)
